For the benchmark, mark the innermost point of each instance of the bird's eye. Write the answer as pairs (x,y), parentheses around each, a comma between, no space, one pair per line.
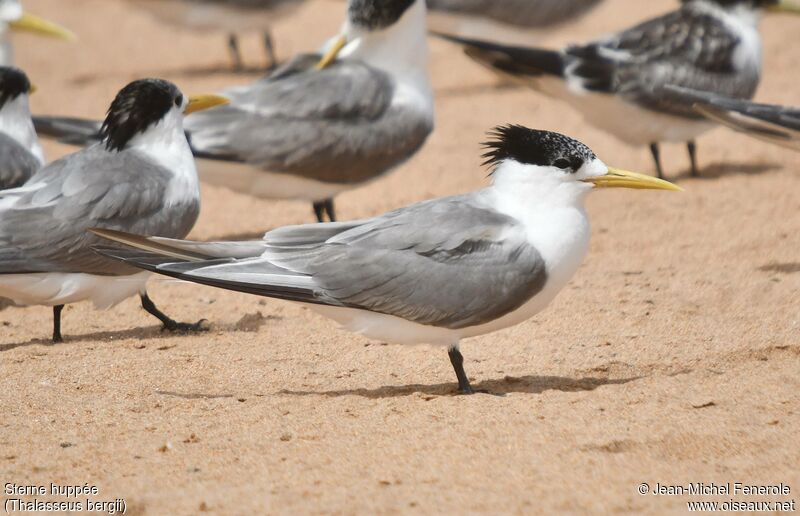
(562,163)
(179,100)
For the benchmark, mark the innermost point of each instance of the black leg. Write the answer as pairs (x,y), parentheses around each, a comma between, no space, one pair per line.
(170,324)
(323,207)
(319,210)
(57,323)
(657,158)
(692,146)
(457,359)
(269,46)
(233,46)
(329,209)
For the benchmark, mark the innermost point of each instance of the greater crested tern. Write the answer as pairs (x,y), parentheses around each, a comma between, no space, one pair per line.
(434,272)
(12,17)
(470,17)
(768,122)
(20,153)
(319,125)
(140,178)
(231,16)
(616,82)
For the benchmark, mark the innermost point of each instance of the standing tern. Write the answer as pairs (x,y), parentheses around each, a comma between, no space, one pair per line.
(317,126)
(12,17)
(615,82)
(233,16)
(769,122)
(434,272)
(141,178)
(20,152)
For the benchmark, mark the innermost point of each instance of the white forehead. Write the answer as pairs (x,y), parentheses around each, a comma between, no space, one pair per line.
(10,10)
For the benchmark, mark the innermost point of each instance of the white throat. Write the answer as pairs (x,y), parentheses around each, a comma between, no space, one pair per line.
(400,50)
(15,121)
(166,144)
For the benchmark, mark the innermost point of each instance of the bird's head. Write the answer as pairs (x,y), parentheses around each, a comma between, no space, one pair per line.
(786,6)
(367,18)
(552,165)
(147,104)
(14,86)
(12,15)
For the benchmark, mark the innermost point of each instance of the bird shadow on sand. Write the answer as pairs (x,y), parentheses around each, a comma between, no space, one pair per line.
(143,333)
(718,170)
(781,268)
(501,387)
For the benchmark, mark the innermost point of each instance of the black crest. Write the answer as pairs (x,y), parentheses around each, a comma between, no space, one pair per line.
(13,83)
(377,14)
(136,107)
(535,147)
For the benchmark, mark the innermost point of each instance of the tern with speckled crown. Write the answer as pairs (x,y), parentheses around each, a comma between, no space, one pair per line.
(435,272)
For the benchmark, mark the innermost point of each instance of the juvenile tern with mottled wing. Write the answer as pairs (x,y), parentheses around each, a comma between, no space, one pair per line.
(20,153)
(615,82)
(140,178)
(12,17)
(434,272)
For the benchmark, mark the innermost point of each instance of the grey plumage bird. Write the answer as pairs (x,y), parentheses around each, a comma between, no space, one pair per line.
(768,122)
(322,124)
(231,16)
(141,177)
(616,82)
(20,153)
(434,272)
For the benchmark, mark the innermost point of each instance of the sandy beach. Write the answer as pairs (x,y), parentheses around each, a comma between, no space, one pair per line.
(672,357)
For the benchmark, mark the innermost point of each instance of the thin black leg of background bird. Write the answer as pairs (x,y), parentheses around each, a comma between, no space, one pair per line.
(170,324)
(57,323)
(657,158)
(692,146)
(323,207)
(236,55)
(457,359)
(269,47)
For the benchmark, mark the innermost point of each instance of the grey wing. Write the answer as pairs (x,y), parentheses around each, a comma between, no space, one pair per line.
(684,48)
(774,123)
(17,164)
(334,125)
(521,13)
(45,228)
(449,262)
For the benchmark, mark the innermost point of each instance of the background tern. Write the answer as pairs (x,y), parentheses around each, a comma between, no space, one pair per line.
(433,272)
(141,178)
(20,152)
(12,17)
(616,82)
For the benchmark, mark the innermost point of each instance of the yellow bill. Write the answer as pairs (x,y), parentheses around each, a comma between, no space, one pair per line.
(617,178)
(32,23)
(203,102)
(785,6)
(332,53)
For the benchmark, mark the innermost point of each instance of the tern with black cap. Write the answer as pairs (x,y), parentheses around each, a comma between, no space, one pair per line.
(141,178)
(20,153)
(435,272)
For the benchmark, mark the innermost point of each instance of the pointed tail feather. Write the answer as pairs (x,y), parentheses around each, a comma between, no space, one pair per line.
(72,131)
(252,275)
(510,60)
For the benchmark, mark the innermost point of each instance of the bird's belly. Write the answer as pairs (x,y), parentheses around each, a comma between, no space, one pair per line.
(60,288)
(246,179)
(215,16)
